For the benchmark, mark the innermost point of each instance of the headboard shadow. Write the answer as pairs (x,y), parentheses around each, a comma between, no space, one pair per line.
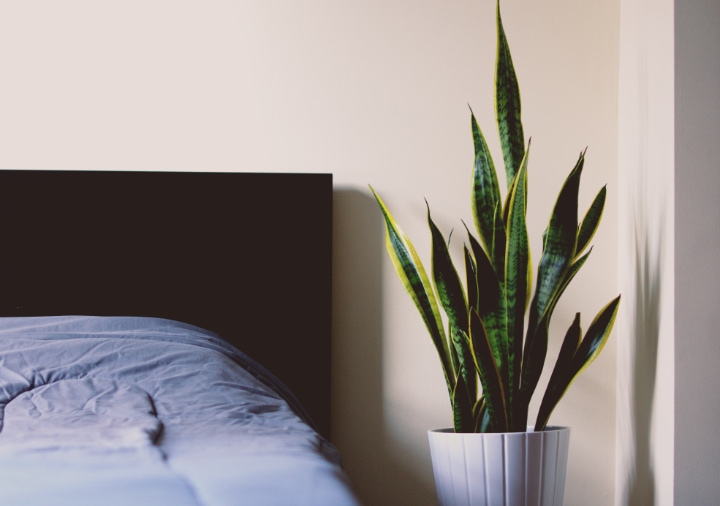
(247,255)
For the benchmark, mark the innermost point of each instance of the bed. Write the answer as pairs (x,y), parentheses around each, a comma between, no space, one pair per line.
(165,339)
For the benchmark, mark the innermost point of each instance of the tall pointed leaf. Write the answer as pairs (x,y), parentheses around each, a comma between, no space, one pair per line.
(534,358)
(471,279)
(589,349)
(495,399)
(452,297)
(567,278)
(595,337)
(591,221)
(499,242)
(567,350)
(466,387)
(507,105)
(557,256)
(559,245)
(463,401)
(482,417)
(485,192)
(517,263)
(491,309)
(447,281)
(411,272)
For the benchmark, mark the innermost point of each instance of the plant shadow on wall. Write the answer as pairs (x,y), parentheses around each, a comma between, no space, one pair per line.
(640,486)
(379,471)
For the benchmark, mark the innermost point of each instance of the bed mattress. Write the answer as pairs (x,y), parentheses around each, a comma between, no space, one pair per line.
(133,411)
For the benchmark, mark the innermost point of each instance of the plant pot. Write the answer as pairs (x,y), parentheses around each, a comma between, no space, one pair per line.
(502,469)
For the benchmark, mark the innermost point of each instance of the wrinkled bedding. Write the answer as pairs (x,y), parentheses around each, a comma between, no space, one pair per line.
(134,411)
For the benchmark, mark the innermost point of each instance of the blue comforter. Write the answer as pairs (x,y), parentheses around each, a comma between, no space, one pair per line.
(135,411)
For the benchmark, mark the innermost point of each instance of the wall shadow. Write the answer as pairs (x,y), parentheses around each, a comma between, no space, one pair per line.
(378,471)
(640,485)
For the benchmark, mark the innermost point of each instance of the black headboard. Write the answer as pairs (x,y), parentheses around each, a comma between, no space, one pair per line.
(247,255)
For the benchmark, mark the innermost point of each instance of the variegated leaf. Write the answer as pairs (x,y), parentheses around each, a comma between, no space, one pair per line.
(589,348)
(507,105)
(411,272)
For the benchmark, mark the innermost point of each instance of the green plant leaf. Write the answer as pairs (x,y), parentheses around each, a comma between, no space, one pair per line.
(567,350)
(471,280)
(453,353)
(493,392)
(534,358)
(447,281)
(559,245)
(589,348)
(463,401)
(491,309)
(467,376)
(452,297)
(567,278)
(499,243)
(517,282)
(485,193)
(507,105)
(411,272)
(482,417)
(591,221)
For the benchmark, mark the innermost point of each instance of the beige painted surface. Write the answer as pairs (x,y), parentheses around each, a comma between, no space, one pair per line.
(374,92)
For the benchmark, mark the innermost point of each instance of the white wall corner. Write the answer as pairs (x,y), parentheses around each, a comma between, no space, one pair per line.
(645,380)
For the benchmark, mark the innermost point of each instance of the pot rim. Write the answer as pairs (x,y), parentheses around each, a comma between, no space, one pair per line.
(530,430)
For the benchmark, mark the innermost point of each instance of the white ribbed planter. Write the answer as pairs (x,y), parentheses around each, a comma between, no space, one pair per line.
(505,469)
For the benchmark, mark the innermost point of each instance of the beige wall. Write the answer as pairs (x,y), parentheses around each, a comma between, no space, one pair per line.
(374,92)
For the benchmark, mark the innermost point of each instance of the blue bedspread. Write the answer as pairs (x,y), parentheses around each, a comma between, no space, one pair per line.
(135,411)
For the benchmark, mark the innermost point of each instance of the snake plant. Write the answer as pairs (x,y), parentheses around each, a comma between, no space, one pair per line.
(494,328)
